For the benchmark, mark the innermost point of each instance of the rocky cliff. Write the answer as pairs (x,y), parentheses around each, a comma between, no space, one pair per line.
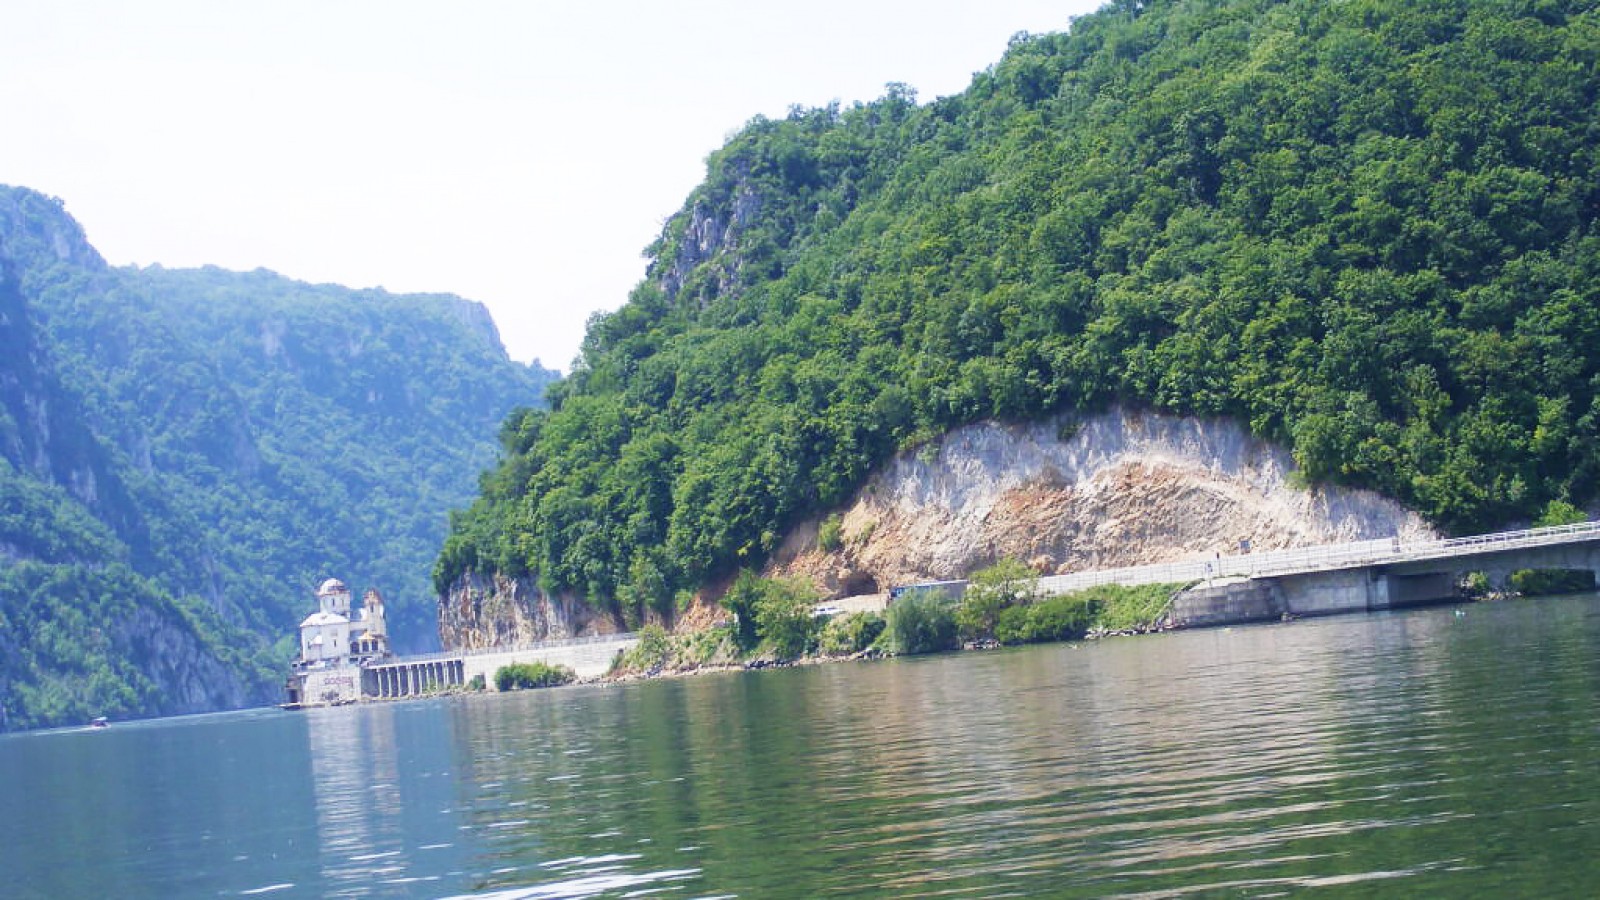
(498,611)
(1068,494)
(192,677)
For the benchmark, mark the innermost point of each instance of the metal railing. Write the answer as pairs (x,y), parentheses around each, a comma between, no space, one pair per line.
(1386,551)
(516,648)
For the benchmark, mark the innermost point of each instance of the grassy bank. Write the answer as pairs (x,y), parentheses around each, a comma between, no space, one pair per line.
(771,622)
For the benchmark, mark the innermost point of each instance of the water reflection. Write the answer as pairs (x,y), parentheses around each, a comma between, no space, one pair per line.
(1315,754)
(1420,753)
(550,799)
(354,777)
(386,823)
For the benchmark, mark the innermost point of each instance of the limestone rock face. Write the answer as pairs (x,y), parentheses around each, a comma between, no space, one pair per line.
(192,678)
(481,612)
(708,233)
(1067,495)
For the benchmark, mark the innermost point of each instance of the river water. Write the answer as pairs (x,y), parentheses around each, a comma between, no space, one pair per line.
(1439,752)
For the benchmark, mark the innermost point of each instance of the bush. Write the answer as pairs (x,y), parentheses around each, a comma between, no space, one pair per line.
(1062,618)
(784,617)
(1120,607)
(849,634)
(657,650)
(531,675)
(1476,585)
(652,652)
(1550,582)
(920,622)
(740,600)
(772,611)
(1007,583)
(1560,512)
(830,534)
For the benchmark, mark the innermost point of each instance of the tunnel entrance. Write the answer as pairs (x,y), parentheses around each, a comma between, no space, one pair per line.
(861,583)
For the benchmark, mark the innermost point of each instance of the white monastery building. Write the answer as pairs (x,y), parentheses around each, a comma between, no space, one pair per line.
(329,636)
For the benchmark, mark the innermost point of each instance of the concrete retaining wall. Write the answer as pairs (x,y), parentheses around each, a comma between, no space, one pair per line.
(1313,594)
(1329,593)
(1233,603)
(587,660)
(329,686)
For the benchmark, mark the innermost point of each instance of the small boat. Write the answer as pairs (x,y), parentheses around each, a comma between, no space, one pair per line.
(99,722)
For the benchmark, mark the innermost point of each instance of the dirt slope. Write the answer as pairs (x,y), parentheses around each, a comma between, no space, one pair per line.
(1068,494)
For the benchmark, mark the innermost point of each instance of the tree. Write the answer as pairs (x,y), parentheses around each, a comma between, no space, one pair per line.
(920,622)
(741,600)
(990,592)
(1560,512)
(784,616)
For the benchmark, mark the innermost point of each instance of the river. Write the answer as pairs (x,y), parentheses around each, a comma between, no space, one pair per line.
(1439,752)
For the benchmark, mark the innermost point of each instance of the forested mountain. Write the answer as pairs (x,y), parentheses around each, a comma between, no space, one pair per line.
(1365,229)
(184,455)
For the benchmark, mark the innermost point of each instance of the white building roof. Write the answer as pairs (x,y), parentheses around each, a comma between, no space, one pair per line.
(322,618)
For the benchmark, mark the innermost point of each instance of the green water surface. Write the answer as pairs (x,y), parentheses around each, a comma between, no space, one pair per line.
(1438,752)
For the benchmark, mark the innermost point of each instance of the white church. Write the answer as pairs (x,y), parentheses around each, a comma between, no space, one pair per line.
(331,637)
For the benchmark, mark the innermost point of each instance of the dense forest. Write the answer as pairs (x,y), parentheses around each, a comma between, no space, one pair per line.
(185,455)
(1365,229)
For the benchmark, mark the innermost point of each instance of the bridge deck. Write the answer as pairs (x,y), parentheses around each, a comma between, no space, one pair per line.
(1327,557)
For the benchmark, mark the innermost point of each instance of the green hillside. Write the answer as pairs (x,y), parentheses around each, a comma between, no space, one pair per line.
(184,455)
(1366,229)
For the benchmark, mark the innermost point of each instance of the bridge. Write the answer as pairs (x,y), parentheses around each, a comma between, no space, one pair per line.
(414,676)
(1334,578)
(407,676)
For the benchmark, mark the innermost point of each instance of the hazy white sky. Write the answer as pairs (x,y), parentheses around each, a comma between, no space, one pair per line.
(517,153)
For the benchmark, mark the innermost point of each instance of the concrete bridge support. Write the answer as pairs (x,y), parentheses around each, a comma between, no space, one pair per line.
(1361,590)
(412,679)
(1309,594)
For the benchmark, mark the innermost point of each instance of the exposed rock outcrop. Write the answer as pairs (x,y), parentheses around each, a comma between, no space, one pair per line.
(710,230)
(192,678)
(498,611)
(1067,495)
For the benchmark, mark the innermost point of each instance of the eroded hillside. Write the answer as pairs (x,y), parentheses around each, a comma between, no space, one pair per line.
(1067,495)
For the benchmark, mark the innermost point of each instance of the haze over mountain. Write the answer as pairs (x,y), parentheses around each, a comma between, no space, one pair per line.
(185,454)
(1366,231)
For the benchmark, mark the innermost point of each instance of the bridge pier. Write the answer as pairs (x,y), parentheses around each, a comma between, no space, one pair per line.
(1363,590)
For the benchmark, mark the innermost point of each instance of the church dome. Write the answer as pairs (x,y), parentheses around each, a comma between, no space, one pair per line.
(332,586)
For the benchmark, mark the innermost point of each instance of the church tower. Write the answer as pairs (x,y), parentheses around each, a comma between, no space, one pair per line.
(372,614)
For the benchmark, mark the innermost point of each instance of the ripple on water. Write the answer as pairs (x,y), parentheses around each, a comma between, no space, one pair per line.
(594,884)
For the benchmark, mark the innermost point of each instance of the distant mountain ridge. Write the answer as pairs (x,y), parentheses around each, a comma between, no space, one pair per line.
(185,454)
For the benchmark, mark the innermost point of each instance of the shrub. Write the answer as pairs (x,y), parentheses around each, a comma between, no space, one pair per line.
(850,633)
(1123,608)
(713,646)
(531,675)
(1560,512)
(784,618)
(653,650)
(740,600)
(920,622)
(1062,618)
(830,534)
(1549,582)
(1476,584)
(774,611)
(991,591)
